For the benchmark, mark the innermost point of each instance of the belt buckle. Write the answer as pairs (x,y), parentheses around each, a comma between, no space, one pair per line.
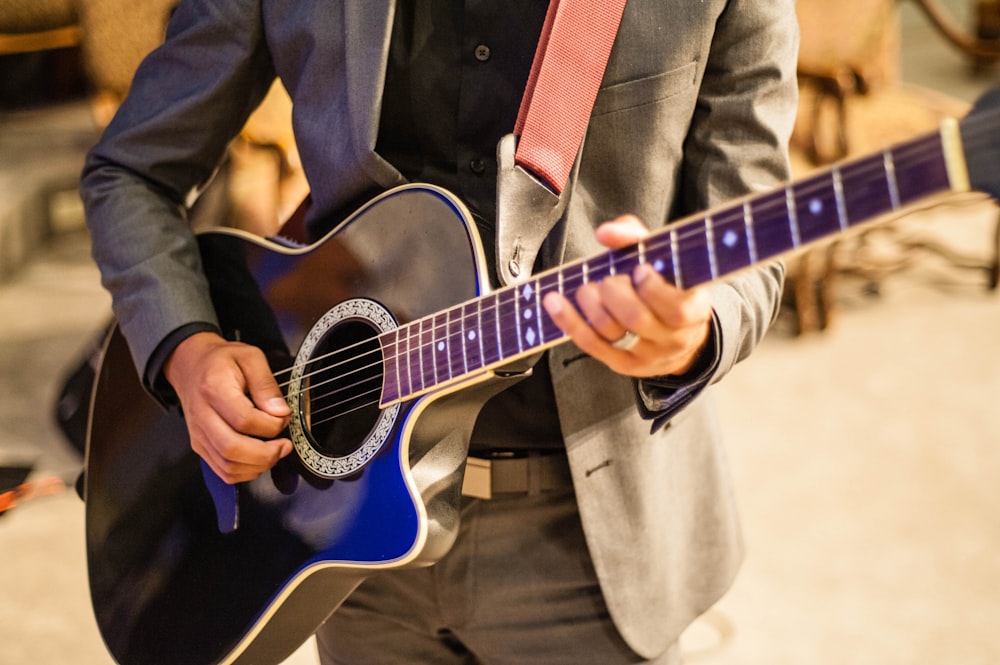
(478,481)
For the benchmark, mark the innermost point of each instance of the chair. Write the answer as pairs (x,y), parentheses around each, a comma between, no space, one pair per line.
(853,102)
(38,25)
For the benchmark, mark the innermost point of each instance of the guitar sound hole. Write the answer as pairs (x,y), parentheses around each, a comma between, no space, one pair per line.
(341,388)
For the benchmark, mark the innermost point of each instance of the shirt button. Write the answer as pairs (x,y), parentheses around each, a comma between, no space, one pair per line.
(477,166)
(482,53)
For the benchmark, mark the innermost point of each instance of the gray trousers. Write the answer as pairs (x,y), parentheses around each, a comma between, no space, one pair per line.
(518,587)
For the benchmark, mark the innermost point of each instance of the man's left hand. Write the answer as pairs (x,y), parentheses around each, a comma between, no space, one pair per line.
(639,324)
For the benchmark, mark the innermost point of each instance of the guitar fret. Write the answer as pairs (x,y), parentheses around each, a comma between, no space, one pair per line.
(813,211)
(751,236)
(418,326)
(865,195)
(456,346)
(509,339)
(713,261)
(793,216)
(409,360)
(921,168)
(601,267)
(391,390)
(527,315)
(461,340)
(479,329)
(517,321)
(692,253)
(890,172)
(549,282)
(838,192)
(489,331)
(659,256)
(675,258)
(426,352)
(539,313)
(470,334)
(773,228)
(444,347)
(572,278)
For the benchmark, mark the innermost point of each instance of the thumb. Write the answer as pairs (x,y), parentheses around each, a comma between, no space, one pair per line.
(263,389)
(621,232)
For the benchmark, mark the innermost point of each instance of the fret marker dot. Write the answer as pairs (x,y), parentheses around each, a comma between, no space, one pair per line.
(527,314)
(815,206)
(730,238)
(658,265)
(530,336)
(472,335)
(440,346)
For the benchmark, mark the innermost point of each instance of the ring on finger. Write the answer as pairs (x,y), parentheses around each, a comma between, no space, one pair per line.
(626,342)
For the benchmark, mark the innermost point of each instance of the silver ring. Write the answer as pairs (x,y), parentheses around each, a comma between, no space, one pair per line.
(627,341)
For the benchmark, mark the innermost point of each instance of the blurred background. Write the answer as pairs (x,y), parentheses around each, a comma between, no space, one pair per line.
(862,433)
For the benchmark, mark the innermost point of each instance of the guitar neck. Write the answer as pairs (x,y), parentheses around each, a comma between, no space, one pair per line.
(510,323)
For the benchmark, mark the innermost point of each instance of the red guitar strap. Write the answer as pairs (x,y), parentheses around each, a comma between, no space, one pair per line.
(567,70)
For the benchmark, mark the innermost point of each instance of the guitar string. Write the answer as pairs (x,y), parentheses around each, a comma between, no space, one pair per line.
(913,150)
(805,188)
(976,124)
(722,219)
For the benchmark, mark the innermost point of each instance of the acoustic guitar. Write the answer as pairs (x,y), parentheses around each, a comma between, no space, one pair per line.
(386,339)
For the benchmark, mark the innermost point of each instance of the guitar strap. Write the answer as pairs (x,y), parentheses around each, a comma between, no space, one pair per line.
(536,160)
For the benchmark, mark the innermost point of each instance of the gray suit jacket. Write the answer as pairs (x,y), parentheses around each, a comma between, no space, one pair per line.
(695,109)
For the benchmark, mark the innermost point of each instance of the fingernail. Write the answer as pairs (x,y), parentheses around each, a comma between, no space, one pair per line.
(553,304)
(641,273)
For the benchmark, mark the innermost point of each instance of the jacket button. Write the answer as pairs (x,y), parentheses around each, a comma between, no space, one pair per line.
(477,166)
(482,53)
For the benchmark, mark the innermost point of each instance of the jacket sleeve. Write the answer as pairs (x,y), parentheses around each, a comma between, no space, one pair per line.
(189,98)
(737,145)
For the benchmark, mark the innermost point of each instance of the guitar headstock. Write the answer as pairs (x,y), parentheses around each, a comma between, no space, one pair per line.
(981,143)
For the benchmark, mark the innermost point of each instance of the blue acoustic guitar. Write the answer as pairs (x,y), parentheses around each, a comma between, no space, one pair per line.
(387,338)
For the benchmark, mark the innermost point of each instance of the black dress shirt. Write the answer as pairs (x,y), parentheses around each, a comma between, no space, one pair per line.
(454,82)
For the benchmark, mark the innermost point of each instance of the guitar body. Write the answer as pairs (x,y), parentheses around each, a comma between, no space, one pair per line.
(184,569)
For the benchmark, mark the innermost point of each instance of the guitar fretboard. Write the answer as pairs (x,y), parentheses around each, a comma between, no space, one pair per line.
(511,323)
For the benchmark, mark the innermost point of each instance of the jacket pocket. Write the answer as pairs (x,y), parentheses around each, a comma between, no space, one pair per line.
(645,90)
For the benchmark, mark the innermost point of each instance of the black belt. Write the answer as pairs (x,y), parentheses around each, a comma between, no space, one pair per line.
(531,473)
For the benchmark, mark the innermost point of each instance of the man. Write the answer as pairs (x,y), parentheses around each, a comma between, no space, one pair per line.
(695,109)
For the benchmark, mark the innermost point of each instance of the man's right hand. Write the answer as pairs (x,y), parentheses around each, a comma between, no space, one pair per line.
(232,404)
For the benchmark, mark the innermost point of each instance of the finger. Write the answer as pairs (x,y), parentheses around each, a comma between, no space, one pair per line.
(233,456)
(593,301)
(625,306)
(673,307)
(584,335)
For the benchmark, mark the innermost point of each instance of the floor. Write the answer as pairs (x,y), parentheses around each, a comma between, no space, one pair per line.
(865,456)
